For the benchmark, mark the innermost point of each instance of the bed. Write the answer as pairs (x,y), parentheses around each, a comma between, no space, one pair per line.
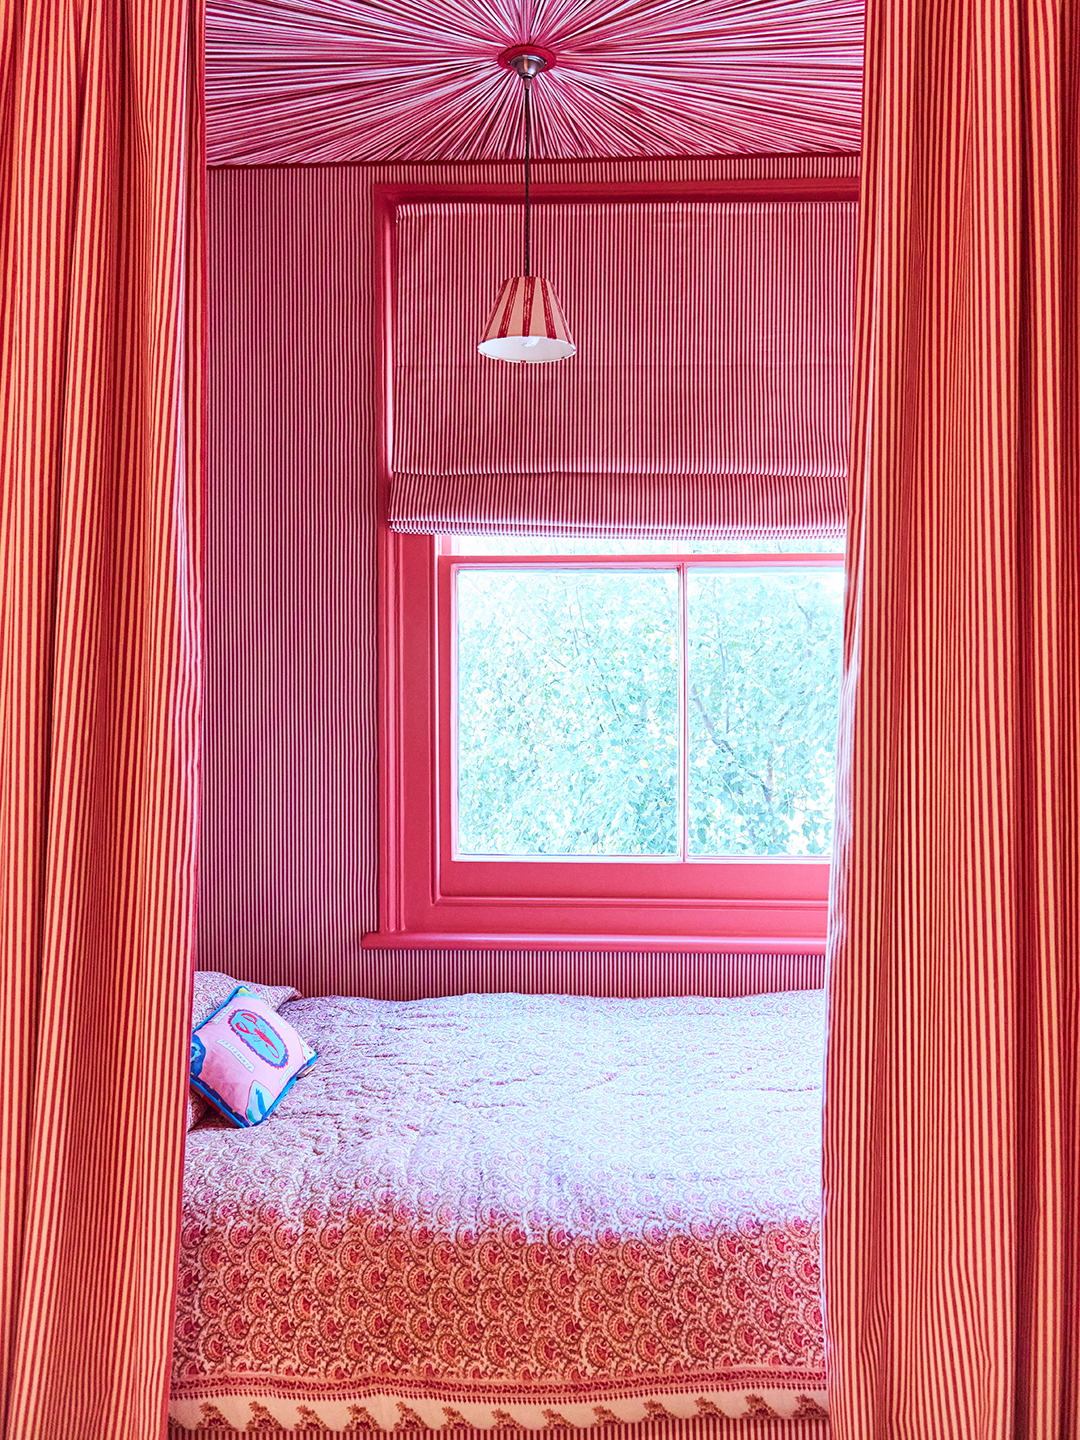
(513,1211)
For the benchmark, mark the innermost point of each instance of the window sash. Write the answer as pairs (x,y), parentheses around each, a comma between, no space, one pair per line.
(451,565)
(427,900)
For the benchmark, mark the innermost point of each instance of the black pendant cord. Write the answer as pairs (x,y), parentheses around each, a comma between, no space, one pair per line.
(528,149)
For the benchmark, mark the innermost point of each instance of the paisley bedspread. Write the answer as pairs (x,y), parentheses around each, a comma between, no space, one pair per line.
(513,1211)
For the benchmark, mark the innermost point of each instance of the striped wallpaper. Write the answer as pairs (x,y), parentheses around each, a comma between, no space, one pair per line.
(710,395)
(421,974)
(287,857)
(287,862)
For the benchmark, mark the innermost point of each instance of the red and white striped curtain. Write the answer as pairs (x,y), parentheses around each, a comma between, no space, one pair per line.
(101,312)
(952,1130)
(710,392)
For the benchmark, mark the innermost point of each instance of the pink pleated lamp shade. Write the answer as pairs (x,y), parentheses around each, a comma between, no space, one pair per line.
(527,324)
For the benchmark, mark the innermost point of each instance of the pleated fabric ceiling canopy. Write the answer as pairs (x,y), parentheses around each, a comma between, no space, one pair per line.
(308,81)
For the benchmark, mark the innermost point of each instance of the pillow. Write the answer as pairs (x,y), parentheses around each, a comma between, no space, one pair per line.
(212,989)
(245,1058)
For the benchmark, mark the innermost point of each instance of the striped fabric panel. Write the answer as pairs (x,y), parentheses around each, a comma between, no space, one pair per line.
(753,1428)
(952,1128)
(101,312)
(421,81)
(288,856)
(714,347)
(695,507)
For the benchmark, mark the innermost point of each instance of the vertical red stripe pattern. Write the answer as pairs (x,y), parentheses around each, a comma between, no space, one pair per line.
(710,395)
(423,974)
(287,859)
(519,300)
(952,1128)
(101,267)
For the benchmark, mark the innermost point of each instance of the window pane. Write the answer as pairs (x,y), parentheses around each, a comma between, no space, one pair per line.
(764,659)
(568,734)
(576,545)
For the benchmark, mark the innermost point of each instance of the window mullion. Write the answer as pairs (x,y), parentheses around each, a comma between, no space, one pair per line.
(684,718)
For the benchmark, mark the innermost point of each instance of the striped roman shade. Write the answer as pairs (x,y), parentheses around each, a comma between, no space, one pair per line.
(710,395)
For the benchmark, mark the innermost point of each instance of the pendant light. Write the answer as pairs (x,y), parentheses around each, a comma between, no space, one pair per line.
(527,323)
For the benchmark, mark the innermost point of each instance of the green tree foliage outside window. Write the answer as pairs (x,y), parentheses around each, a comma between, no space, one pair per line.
(568,720)
(569,725)
(763,682)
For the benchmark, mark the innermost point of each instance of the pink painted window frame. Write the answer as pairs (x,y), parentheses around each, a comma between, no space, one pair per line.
(430,898)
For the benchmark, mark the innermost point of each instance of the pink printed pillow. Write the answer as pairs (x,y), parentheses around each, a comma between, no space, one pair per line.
(212,989)
(245,1058)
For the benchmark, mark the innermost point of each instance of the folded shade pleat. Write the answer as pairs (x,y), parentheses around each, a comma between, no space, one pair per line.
(710,392)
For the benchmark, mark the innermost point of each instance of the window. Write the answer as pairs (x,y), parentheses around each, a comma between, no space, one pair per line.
(609,743)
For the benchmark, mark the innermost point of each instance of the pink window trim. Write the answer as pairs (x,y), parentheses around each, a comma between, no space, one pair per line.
(429,899)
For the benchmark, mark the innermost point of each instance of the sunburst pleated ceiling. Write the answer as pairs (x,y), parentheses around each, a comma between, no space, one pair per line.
(308,81)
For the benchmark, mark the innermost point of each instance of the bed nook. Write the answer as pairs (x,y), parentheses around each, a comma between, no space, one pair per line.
(539,1146)
(512,1211)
